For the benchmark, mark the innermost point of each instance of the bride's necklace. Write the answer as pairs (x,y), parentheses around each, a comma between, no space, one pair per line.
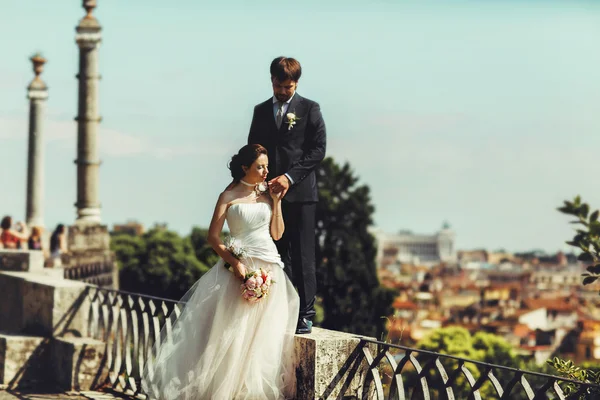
(258,189)
(247,184)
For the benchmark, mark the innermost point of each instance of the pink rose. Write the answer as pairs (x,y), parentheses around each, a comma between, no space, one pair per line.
(251,283)
(259,281)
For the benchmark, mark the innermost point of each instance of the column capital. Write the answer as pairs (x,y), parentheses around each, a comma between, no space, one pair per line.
(88,36)
(89,6)
(88,30)
(37,94)
(37,89)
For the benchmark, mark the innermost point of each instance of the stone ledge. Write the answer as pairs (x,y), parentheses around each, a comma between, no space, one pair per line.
(319,357)
(79,363)
(37,304)
(69,363)
(23,360)
(21,260)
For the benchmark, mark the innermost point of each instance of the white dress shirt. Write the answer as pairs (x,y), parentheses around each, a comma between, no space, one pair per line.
(285,105)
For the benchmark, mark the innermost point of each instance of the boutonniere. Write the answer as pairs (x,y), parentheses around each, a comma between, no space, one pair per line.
(291,120)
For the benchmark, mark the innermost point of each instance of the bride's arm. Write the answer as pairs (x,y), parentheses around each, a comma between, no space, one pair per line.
(277,225)
(214,237)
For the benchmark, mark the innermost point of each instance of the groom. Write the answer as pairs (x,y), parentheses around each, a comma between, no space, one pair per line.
(292,129)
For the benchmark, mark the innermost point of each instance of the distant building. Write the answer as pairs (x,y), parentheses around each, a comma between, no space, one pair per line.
(409,248)
(473,256)
(133,228)
(588,343)
(555,280)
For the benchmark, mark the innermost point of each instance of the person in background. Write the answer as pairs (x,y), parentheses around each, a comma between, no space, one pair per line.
(58,245)
(35,239)
(10,237)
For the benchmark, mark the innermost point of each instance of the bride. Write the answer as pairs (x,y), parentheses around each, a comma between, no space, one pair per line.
(223,346)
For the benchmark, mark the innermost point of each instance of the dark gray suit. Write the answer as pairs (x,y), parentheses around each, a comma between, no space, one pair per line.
(297,152)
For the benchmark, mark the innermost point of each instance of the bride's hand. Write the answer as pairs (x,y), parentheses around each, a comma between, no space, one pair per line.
(240,271)
(275,196)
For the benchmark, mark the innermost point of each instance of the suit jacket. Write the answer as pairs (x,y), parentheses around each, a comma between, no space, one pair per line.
(296,151)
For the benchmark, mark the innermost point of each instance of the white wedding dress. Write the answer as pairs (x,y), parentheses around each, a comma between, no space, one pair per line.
(222,346)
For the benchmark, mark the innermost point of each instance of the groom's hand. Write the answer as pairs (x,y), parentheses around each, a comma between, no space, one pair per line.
(280,184)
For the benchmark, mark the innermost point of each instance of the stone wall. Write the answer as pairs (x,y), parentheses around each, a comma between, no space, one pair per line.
(43,326)
(90,259)
(320,357)
(21,260)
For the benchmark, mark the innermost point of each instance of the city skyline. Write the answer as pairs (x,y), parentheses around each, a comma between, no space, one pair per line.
(478,113)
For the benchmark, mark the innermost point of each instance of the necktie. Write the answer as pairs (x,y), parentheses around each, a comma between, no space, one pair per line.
(279,116)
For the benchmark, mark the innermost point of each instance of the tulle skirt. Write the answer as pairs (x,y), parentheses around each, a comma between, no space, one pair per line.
(223,347)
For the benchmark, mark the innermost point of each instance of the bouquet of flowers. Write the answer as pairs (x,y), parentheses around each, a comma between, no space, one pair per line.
(235,248)
(256,285)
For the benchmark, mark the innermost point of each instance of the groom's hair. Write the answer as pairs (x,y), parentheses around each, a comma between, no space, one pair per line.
(284,68)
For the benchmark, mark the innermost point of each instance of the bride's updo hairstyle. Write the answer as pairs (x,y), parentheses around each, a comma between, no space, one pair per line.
(245,157)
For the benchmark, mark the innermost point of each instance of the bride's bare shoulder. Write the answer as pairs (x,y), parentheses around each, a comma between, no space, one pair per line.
(227,196)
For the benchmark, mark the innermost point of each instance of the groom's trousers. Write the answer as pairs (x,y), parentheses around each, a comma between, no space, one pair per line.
(297,250)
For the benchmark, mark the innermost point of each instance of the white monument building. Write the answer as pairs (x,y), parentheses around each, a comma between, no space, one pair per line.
(408,248)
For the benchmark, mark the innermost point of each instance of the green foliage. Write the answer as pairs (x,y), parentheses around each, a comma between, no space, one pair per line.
(482,346)
(453,340)
(158,263)
(587,238)
(348,287)
(204,251)
(495,349)
(569,370)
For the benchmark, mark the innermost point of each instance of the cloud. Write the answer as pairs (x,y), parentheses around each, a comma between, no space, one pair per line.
(112,142)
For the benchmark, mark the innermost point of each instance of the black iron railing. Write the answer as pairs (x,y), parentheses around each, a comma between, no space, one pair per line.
(396,372)
(129,324)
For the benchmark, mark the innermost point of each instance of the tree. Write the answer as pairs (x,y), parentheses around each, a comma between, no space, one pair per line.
(348,286)
(483,347)
(203,250)
(158,263)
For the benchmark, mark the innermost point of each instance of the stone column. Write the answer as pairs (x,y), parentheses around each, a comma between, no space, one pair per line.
(88,39)
(37,92)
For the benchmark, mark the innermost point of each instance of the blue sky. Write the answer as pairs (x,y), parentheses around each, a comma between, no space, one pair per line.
(482,113)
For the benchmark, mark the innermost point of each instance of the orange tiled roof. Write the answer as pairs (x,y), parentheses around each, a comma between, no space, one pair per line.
(521,330)
(549,304)
(404,305)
